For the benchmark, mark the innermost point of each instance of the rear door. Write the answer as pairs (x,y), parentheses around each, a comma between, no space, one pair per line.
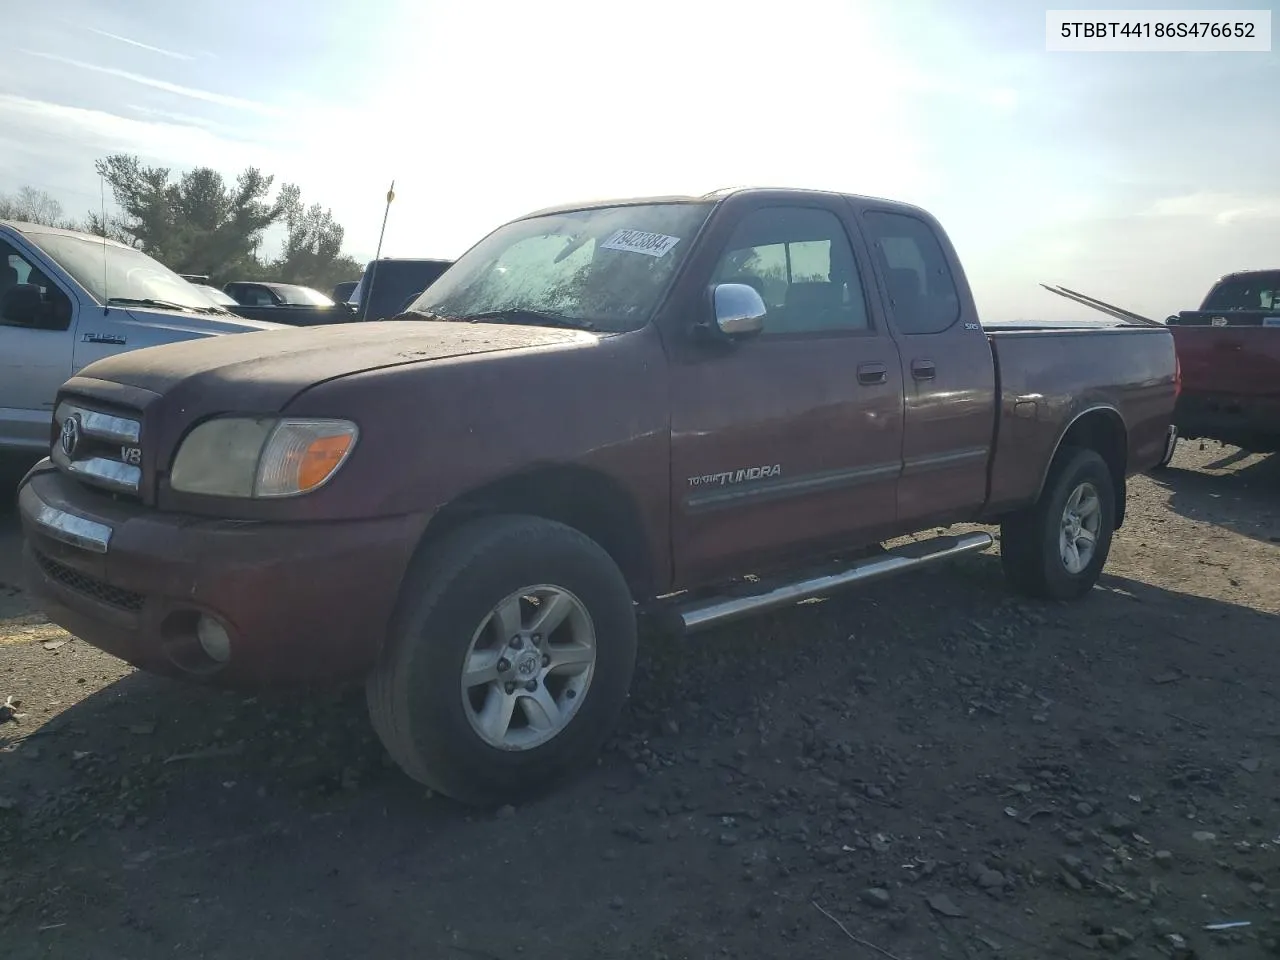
(792,439)
(948,369)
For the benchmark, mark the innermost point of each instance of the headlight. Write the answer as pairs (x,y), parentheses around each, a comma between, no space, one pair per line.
(261,457)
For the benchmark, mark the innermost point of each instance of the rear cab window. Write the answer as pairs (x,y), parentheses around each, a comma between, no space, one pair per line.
(922,292)
(1259,291)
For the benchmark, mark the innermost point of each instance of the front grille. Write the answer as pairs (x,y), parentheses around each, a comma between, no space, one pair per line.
(88,586)
(99,448)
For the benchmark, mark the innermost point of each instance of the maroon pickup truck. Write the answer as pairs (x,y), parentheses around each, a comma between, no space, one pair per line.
(696,408)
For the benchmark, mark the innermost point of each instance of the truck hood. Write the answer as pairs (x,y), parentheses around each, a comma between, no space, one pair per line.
(190,325)
(265,370)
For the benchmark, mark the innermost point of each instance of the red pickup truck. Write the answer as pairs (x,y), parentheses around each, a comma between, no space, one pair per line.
(1230,355)
(1229,361)
(698,408)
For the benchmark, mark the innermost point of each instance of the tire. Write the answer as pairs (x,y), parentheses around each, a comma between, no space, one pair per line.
(446,618)
(1030,541)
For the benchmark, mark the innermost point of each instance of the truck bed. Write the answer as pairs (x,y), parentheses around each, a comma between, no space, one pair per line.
(1051,373)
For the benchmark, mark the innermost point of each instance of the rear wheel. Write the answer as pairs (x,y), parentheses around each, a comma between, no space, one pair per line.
(1056,548)
(509,660)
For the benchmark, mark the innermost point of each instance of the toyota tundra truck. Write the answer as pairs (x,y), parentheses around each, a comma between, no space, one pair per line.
(686,409)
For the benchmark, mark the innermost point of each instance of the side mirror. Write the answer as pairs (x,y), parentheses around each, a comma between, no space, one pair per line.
(739,309)
(23,305)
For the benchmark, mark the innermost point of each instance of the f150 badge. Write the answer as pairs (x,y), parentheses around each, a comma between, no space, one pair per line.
(736,476)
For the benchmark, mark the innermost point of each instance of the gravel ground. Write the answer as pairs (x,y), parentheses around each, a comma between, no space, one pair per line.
(924,769)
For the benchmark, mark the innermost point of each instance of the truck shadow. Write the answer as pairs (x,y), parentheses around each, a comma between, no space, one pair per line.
(1229,488)
(183,808)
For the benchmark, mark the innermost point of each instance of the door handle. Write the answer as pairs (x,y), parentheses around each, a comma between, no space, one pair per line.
(870,374)
(923,369)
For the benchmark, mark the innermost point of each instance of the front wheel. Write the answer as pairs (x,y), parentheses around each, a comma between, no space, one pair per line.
(1056,548)
(509,660)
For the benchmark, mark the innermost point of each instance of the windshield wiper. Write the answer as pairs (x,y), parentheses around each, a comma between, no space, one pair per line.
(533,317)
(412,314)
(148,302)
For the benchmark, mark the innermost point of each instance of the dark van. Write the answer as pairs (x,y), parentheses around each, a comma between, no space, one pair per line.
(390,284)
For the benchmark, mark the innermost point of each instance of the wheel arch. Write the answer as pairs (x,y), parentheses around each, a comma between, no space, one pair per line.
(1100,428)
(585,499)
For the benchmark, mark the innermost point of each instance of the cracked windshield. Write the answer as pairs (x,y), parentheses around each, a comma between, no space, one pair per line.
(639,482)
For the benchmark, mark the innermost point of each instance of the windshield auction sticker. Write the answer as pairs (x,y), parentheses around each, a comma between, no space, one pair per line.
(637,241)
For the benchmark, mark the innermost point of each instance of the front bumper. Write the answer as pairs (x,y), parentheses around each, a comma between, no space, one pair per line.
(301,602)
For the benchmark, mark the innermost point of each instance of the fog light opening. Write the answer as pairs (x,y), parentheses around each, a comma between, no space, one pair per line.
(214,639)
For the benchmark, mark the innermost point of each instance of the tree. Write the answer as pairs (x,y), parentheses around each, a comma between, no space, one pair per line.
(198,223)
(195,224)
(312,251)
(30,205)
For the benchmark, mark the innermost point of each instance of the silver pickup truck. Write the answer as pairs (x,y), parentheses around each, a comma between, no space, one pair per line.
(68,299)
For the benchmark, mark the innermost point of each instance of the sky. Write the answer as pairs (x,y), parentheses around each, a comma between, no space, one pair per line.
(1138,178)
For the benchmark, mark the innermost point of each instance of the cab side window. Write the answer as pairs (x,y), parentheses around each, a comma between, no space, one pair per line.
(922,292)
(13,269)
(16,270)
(800,261)
(254,296)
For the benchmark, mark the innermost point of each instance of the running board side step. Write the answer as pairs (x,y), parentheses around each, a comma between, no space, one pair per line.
(912,556)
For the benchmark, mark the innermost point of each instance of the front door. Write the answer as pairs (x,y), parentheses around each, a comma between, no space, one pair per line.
(790,440)
(34,361)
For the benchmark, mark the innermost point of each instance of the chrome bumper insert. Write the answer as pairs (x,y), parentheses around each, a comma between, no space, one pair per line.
(60,525)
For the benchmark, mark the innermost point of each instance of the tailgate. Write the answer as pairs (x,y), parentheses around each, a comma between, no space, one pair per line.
(1233,352)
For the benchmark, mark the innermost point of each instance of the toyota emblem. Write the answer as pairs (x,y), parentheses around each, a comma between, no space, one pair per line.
(528,665)
(70,437)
